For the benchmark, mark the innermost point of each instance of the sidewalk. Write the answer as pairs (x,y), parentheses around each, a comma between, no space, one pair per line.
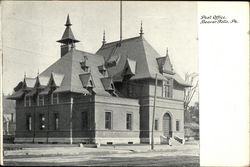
(58,150)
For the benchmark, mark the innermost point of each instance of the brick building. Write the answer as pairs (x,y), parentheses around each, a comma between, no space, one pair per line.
(106,97)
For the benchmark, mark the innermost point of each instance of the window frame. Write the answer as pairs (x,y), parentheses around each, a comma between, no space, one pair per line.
(29,122)
(110,121)
(41,116)
(177,122)
(27,99)
(56,123)
(156,125)
(86,127)
(39,98)
(131,121)
(53,97)
(167,87)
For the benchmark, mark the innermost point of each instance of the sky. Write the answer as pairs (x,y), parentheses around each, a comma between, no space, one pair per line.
(30,31)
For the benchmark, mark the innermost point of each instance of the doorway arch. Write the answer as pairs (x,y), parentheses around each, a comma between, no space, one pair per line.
(166,123)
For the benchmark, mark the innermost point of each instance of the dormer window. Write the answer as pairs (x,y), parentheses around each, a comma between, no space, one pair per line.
(102,70)
(84,64)
(91,84)
(87,81)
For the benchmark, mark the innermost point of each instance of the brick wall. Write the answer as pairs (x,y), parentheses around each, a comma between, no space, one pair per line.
(119,107)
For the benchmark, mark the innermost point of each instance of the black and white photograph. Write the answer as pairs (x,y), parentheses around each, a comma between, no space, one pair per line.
(100,83)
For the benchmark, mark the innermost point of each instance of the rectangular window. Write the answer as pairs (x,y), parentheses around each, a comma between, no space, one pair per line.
(27,101)
(56,121)
(41,100)
(107,120)
(28,122)
(177,125)
(166,92)
(166,89)
(156,124)
(54,98)
(85,120)
(129,121)
(42,121)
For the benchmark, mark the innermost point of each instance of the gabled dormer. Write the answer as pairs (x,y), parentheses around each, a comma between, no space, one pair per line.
(29,83)
(108,85)
(165,65)
(41,81)
(129,69)
(55,80)
(85,64)
(87,81)
(102,69)
(113,60)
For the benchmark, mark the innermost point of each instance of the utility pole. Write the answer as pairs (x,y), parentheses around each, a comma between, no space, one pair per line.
(153,119)
(70,119)
(121,21)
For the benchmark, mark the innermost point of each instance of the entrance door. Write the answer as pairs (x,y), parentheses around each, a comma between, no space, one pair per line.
(166,125)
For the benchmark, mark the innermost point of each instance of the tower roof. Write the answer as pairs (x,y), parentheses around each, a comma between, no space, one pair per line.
(68,36)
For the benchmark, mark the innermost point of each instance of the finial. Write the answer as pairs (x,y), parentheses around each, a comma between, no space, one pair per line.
(24,74)
(167,52)
(103,40)
(38,72)
(141,30)
(68,22)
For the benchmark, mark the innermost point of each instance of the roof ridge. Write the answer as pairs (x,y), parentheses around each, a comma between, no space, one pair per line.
(115,42)
(92,54)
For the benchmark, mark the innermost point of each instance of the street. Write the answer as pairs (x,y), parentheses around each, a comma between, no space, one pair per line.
(126,155)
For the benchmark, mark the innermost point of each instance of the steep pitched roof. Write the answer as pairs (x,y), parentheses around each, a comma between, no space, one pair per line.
(16,95)
(165,65)
(69,67)
(136,50)
(68,35)
(29,82)
(130,48)
(42,80)
(32,92)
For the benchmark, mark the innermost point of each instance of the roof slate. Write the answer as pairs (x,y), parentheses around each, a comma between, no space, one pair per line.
(137,50)
(69,66)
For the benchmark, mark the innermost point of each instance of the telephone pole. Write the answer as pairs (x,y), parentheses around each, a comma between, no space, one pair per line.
(153,119)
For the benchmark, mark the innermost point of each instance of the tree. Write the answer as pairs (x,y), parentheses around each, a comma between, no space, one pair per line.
(194,112)
(189,92)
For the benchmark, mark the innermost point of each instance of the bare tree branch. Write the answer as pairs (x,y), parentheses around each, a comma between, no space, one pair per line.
(189,92)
